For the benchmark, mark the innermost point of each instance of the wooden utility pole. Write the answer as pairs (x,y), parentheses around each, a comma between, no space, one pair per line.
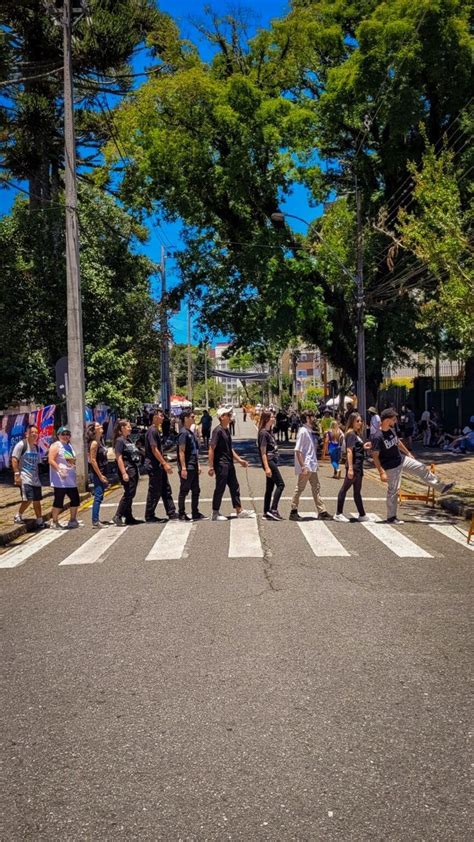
(165,354)
(75,351)
(361,380)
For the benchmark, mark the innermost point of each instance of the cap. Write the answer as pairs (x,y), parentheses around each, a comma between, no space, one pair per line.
(372,409)
(63,430)
(224,410)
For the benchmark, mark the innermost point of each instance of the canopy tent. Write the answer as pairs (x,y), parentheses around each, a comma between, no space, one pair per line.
(178,403)
(336,401)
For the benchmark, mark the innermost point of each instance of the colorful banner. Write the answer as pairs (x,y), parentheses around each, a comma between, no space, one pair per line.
(13,429)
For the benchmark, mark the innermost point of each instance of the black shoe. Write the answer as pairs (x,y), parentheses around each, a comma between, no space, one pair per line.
(183,517)
(117,521)
(155,519)
(447,487)
(294,515)
(200,516)
(394,520)
(173,516)
(132,521)
(324,516)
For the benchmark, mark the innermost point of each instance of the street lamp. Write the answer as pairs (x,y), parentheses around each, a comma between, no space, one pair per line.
(278,219)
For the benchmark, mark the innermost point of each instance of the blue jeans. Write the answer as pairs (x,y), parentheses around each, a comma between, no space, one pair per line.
(98,496)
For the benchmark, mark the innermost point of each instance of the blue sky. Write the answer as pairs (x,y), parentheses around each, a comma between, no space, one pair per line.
(258,14)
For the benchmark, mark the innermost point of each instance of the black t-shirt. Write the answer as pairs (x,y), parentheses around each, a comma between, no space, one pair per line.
(266,441)
(386,445)
(127,450)
(221,442)
(355,443)
(206,423)
(153,439)
(188,440)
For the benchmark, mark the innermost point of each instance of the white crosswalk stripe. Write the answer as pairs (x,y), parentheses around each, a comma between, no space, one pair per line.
(95,549)
(18,555)
(320,538)
(452,532)
(171,543)
(397,543)
(244,541)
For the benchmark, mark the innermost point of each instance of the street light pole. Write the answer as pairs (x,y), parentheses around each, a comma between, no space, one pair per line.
(190,367)
(358,279)
(76,387)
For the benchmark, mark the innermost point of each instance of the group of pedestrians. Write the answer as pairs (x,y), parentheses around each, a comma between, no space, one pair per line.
(390,454)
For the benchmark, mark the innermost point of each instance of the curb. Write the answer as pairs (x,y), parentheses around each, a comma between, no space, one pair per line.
(10,533)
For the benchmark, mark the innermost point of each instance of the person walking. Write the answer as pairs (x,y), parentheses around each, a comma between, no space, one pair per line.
(295,423)
(128,460)
(188,467)
(206,425)
(425,427)
(392,458)
(221,464)
(158,470)
(335,440)
(355,448)
(63,479)
(306,466)
(97,454)
(374,421)
(267,447)
(407,424)
(25,464)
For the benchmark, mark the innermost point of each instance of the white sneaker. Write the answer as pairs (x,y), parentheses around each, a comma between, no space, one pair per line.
(218,516)
(245,513)
(18,519)
(363,518)
(341,518)
(72,524)
(98,525)
(56,525)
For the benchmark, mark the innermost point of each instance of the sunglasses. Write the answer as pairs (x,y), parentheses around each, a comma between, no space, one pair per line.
(65,433)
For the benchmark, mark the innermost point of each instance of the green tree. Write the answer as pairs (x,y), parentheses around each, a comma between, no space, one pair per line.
(221,143)
(119,314)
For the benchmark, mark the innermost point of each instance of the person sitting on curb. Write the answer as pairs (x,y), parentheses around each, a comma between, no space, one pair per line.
(392,458)
(306,466)
(25,461)
(221,463)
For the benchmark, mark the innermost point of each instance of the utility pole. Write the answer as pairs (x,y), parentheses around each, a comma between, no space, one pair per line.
(361,382)
(76,386)
(206,386)
(165,355)
(190,368)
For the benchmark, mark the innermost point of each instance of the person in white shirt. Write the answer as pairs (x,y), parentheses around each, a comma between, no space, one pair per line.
(306,467)
(425,427)
(374,421)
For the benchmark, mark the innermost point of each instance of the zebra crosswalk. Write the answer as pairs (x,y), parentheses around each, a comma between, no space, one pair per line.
(249,538)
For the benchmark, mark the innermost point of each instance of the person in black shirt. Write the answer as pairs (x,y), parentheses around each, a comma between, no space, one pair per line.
(391,457)
(188,467)
(128,460)
(221,463)
(206,425)
(157,468)
(268,450)
(354,468)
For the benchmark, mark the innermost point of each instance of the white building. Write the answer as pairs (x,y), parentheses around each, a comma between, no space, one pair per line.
(230,384)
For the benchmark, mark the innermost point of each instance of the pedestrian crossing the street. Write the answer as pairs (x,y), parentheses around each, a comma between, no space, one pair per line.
(242,538)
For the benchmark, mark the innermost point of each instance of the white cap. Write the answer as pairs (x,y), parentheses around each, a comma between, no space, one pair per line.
(224,410)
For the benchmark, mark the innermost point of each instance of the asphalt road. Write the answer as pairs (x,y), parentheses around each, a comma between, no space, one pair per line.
(287,696)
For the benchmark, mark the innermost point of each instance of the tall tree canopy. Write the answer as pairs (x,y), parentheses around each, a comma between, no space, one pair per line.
(330,92)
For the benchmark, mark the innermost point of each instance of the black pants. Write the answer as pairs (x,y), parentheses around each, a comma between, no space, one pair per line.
(273,482)
(356,485)
(190,484)
(124,508)
(158,487)
(225,475)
